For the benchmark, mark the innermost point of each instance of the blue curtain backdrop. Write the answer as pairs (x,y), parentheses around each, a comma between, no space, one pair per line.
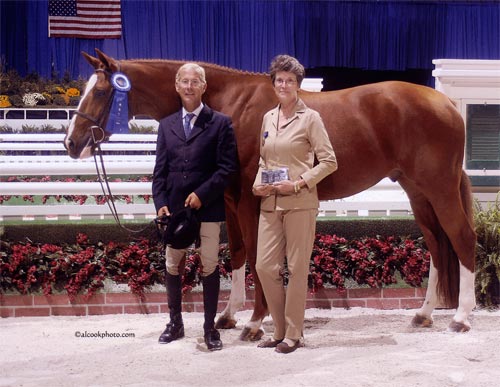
(370,35)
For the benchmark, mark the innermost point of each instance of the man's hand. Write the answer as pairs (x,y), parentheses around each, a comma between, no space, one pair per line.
(193,201)
(163,211)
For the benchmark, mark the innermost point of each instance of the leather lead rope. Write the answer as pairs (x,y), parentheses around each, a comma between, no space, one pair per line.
(106,190)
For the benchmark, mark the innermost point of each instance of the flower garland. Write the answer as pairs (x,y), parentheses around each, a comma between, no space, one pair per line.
(78,199)
(81,268)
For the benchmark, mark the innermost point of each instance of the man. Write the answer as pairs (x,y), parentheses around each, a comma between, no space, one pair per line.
(195,156)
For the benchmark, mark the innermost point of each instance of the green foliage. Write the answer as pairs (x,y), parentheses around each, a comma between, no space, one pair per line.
(59,100)
(74,101)
(30,129)
(17,101)
(47,128)
(487,222)
(139,129)
(6,129)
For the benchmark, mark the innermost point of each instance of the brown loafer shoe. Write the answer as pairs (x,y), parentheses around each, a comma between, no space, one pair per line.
(270,343)
(285,348)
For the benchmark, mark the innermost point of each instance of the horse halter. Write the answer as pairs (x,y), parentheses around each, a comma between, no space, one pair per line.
(98,122)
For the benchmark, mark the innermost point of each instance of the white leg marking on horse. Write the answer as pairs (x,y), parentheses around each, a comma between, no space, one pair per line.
(90,84)
(254,326)
(467,297)
(431,299)
(237,296)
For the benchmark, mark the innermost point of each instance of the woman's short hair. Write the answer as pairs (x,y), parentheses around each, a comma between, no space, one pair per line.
(287,63)
(191,66)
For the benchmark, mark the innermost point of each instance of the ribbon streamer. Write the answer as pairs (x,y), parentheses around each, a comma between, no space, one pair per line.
(118,115)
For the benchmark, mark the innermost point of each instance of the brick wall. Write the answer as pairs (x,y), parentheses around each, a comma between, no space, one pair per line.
(12,305)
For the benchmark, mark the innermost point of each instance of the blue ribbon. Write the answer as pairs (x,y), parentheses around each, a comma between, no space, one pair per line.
(118,114)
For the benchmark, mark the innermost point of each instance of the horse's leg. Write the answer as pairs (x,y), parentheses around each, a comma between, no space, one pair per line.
(236,300)
(428,223)
(249,217)
(253,330)
(423,317)
(454,211)
(466,301)
(237,250)
(241,225)
(455,238)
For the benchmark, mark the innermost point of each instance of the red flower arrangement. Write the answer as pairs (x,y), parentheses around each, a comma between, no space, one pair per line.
(81,268)
(367,261)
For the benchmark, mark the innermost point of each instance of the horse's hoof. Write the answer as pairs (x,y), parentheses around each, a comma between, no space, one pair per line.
(458,327)
(225,323)
(420,321)
(249,335)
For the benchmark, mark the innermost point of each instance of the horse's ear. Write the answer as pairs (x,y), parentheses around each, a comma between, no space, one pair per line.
(94,62)
(109,63)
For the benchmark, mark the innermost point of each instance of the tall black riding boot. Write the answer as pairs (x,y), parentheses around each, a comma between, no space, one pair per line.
(211,285)
(175,328)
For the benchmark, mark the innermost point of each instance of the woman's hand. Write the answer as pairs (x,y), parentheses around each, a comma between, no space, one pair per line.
(264,190)
(288,187)
(284,187)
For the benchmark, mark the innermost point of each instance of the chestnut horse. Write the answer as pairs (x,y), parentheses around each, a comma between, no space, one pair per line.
(409,133)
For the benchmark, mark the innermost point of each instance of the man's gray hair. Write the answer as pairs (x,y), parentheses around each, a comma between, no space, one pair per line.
(191,66)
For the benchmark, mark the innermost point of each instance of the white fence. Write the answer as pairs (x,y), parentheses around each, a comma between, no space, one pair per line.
(48,158)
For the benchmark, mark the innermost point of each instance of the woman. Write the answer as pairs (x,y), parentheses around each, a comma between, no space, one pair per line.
(292,135)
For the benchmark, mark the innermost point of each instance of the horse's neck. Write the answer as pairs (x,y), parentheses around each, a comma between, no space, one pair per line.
(153,88)
(234,93)
(229,91)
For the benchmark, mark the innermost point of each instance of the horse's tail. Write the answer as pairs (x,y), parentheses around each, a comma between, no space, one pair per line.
(448,286)
(454,103)
(467,203)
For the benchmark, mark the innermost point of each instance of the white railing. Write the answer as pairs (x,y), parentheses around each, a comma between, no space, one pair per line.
(386,198)
(345,207)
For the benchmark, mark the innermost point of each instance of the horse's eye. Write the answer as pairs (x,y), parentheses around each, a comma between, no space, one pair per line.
(99,93)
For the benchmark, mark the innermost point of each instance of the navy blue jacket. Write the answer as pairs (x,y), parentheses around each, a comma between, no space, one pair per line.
(202,164)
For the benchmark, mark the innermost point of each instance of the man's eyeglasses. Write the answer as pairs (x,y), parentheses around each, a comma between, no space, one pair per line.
(196,83)
(286,82)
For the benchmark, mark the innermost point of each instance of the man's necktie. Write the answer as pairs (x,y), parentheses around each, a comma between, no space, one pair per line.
(187,124)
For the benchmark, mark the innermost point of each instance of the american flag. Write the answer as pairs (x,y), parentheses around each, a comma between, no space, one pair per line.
(87,19)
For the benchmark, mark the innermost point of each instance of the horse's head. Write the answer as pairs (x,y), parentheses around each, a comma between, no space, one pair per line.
(87,127)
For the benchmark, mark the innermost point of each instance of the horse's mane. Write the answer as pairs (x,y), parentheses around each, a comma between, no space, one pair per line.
(203,64)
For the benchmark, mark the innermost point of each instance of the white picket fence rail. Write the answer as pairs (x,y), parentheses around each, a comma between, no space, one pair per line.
(386,198)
